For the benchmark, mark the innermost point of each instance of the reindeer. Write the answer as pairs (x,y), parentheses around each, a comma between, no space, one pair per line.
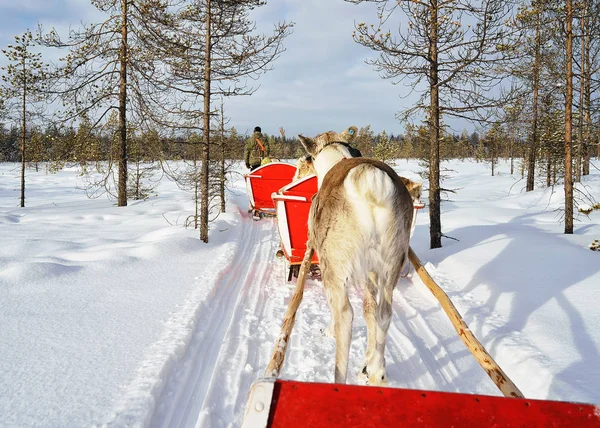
(304,168)
(359,224)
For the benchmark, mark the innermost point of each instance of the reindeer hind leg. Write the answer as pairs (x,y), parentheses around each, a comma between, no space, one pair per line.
(369,307)
(342,316)
(383,315)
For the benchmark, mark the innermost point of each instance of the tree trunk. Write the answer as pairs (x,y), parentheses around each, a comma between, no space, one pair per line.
(493,150)
(548,169)
(196,187)
(138,181)
(512,153)
(435,224)
(222,174)
(206,133)
(523,157)
(569,122)
(580,134)
(587,121)
(23,129)
(283,148)
(122,185)
(534,123)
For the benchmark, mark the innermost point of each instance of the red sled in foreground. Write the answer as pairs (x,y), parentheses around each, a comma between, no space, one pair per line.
(287,404)
(265,180)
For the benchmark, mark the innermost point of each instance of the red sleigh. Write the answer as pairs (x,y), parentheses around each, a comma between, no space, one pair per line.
(262,182)
(292,204)
(275,403)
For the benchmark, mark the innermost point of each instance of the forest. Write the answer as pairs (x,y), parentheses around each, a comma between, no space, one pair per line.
(150,84)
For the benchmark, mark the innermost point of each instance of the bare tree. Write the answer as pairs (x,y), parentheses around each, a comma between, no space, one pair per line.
(111,66)
(222,158)
(454,48)
(213,52)
(569,119)
(532,22)
(284,151)
(24,80)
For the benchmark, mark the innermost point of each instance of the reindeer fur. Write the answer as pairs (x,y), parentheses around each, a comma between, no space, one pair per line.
(359,224)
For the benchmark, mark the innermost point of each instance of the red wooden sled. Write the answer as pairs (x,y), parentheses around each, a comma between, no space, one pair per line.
(292,204)
(276,403)
(265,180)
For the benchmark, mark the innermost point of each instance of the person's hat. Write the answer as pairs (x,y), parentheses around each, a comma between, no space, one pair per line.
(257,129)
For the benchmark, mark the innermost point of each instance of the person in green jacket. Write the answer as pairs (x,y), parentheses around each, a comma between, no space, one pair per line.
(257,149)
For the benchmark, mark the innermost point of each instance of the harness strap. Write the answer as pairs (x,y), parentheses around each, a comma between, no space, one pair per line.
(262,148)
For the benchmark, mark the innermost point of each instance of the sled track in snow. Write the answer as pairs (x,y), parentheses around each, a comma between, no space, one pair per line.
(182,400)
(432,364)
(232,340)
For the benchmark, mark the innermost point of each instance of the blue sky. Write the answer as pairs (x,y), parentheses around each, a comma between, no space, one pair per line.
(320,82)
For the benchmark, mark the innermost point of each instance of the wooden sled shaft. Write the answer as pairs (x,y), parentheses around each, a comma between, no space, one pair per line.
(502,381)
(281,343)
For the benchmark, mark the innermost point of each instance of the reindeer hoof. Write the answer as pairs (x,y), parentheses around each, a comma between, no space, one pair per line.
(327,331)
(364,375)
(377,379)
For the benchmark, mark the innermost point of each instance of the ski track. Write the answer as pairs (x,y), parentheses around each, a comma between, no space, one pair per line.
(430,362)
(233,346)
(252,292)
(183,398)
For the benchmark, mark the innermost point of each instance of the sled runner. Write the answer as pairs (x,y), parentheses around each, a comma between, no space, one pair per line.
(262,182)
(292,204)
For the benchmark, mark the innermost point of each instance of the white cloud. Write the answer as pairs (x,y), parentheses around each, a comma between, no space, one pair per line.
(320,82)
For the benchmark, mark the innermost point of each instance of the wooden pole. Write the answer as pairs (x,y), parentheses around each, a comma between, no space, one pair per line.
(502,381)
(281,343)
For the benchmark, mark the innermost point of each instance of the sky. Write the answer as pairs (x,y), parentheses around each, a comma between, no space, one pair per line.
(121,317)
(321,82)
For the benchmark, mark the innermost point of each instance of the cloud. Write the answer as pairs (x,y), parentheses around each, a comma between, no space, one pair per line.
(16,17)
(320,82)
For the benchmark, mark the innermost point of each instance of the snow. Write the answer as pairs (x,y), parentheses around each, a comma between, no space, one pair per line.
(123,317)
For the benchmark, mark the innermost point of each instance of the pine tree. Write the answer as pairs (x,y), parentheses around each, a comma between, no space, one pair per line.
(453,48)
(35,151)
(111,66)
(213,51)
(24,81)
(384,150)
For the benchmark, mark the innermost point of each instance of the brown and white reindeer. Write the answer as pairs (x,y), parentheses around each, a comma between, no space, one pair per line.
(359,224)
(304,167)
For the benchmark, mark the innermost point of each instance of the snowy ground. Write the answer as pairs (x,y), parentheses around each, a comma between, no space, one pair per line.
(122,317)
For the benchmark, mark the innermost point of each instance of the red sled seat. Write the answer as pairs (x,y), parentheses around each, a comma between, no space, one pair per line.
(265,180)
(292,205)
(288,404)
